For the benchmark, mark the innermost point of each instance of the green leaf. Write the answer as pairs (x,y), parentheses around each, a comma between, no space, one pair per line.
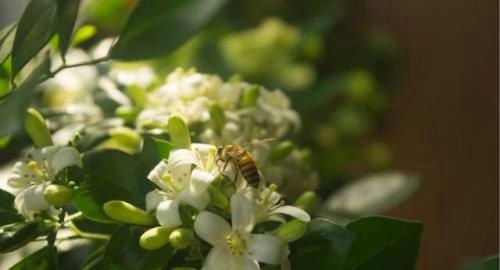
(157,27)
(124,251)
(43,259)
(383,243)
(13,106)
(6,41)
(490,263)
(90,208)
(67,10)
(83,34)
(35,29)
(114,175)
(154,150)
(325,245)
(17,235)
(8,214)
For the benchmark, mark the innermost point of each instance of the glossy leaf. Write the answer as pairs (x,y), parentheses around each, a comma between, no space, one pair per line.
(17,235)
(157,27)
(89,206)
(383,243)
(6,40)
(13,106)
(154,150)
(124,251)
(67,10)
(43,259)
(35,29)
(114,175)
(8,214)
(325,245)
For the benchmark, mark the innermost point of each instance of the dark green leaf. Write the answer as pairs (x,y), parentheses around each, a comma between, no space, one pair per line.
(325,245)
(157,27)
(490,263)
(67,10)
(154,150)
(17,235)
(43,259)
(383,243)
(6,200)
(123,250)
(35,29)
(115,175)
(90,208)
(6,40)
(8,217)
(13,106)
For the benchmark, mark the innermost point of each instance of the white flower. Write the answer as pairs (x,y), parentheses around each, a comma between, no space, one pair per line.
(235,247)
(31,176)
(178,181)
(269,205)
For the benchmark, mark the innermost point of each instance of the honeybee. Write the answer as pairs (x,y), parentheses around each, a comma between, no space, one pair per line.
(242,161)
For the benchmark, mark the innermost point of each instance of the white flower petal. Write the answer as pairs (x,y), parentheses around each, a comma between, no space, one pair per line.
(157,173)
(64,157)
(167,214)
(153,198)
(211,228)
(292,211)
(267,248)
(200,181)
(242,213)
(220,258)
(197,200)
(21,176)
(33,198)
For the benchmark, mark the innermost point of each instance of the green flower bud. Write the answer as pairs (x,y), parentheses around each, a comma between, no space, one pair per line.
(155,238)
(35,126)
(126,136)
(291,230)
(57,195)
(128,114)
(181,238)
(125,212)
(360,85)
(179,132)
(217,117)
(281,151)
(218,198)
(307,201)
(250,96)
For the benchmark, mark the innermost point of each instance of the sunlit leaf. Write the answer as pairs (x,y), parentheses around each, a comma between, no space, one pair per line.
(35,29)
(67,10)
(6,41)
(157,27)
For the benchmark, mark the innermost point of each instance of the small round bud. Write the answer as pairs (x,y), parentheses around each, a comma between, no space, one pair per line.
(307,201)
(128,114)
(181,238)
(281,151)
(291,230)
(155,238)
(35,126)
(57,195)
(179,132)
(126,136)
(250,96)
(125,212)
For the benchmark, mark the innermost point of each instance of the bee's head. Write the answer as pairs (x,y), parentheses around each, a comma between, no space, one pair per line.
(220,150)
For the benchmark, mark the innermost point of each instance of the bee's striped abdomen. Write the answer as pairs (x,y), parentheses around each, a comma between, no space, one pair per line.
(249,170)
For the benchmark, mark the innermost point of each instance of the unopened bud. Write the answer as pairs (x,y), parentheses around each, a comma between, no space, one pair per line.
(125,212)
(128,114)
(217,117)
(181,238)
(291,230)
(281,151)
(250,96)
(307,201)
(218,198)
(179,132)
(126,136)
(155,238)
(57,195)
(35,126)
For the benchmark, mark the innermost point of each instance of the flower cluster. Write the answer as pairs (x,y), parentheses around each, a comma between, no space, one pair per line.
(188,177)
